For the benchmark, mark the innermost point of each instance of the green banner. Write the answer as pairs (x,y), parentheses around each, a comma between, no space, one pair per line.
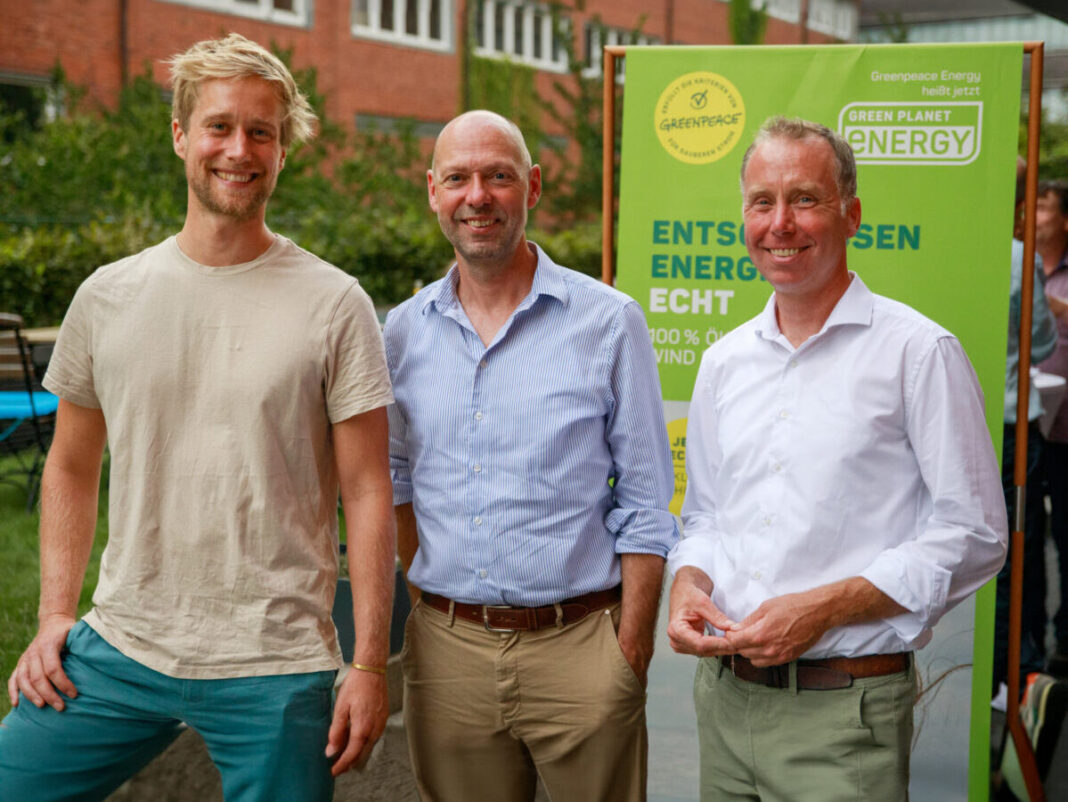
(934,129)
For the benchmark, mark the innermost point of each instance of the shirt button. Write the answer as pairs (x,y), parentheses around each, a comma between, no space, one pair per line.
(482,364)
(757,575)
(478,415)
(482,573)
(478,468)
(478,520)
(767,520)
(783,413)
(776,467)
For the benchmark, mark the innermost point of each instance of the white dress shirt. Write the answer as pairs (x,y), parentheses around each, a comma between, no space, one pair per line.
(864,452)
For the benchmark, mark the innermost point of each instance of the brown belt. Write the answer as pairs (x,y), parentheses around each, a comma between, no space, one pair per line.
(826,674)
(522,619)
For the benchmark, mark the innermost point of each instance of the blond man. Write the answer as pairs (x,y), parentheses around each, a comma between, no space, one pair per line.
(239,382)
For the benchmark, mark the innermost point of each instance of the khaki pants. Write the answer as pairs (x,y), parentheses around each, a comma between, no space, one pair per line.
(487,712)
(773,744)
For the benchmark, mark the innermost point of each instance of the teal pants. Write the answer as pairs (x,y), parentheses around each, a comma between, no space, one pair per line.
(267,735)
(789,745)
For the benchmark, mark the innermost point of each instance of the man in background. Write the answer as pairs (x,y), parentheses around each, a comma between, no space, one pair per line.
(1043,341)
(1051,243)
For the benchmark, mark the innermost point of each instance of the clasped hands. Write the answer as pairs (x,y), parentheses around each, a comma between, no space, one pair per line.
(778,631)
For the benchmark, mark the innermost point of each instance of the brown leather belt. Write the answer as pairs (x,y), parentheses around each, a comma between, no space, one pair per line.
(522,619)
(827,674)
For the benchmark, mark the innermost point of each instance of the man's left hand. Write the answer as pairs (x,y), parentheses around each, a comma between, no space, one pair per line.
(360,715)
(781,629)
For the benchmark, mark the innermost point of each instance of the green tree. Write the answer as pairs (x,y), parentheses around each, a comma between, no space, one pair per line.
(1052,146)
(747,23)
(577,107)
(92,164)
(96,184)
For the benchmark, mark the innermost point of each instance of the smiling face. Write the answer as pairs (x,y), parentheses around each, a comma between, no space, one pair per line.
(796,224)
(231,149)
(481,188)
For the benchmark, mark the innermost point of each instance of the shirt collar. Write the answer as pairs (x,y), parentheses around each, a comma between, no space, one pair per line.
(548,280)
(853,308)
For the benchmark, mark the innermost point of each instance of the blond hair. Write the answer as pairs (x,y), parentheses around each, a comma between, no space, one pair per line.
(234,57)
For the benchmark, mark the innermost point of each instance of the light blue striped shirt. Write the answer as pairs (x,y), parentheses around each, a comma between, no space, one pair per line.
(507,451)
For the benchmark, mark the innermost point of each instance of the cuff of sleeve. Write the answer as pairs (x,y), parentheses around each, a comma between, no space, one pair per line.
(643,531)
(402,487)
(695,551)
(922,591)
(68,393)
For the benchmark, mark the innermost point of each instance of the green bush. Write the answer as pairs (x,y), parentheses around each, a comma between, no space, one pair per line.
(41,267)
(578,247)
(95,185)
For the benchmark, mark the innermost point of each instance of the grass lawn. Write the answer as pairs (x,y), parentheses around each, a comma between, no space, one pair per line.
(20,578)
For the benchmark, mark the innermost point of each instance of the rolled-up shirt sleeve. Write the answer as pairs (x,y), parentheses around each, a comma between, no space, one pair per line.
(964,541)
(637,437)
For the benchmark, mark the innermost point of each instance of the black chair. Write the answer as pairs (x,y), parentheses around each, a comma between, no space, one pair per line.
(27,412)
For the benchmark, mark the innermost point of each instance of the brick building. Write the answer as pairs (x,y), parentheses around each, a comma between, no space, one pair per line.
(377,60)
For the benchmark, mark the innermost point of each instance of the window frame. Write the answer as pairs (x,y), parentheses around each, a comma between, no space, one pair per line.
(553,57)
(399,35)
(299,17)
(613,35)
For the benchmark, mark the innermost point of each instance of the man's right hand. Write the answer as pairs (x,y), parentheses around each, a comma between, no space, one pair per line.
(39,671)
(691,607)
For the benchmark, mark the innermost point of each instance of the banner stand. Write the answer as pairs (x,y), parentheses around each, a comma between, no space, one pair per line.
(1036,50)
(1019,735)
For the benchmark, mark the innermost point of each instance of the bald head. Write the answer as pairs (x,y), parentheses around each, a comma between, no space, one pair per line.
(481,185)
(472,125)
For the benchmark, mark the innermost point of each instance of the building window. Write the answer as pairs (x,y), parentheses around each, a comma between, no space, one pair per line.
(37,99)
(600,36)
(837,19)
(786,10)
(284,12)
(419,23)
(520,31)
(382,124)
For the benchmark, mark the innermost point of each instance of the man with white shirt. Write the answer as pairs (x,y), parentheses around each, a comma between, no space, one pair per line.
(842,494)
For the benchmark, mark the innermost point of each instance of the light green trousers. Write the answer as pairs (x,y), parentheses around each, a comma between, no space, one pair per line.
(785,745)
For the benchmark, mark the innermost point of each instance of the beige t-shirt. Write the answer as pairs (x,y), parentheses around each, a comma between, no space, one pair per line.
(219,385)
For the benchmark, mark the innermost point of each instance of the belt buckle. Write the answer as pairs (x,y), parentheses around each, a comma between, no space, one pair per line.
(485,617)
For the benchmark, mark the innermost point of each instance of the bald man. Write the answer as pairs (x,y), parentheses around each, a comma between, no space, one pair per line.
(532,477)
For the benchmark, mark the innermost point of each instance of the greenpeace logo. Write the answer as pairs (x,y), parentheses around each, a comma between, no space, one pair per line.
(913,133)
